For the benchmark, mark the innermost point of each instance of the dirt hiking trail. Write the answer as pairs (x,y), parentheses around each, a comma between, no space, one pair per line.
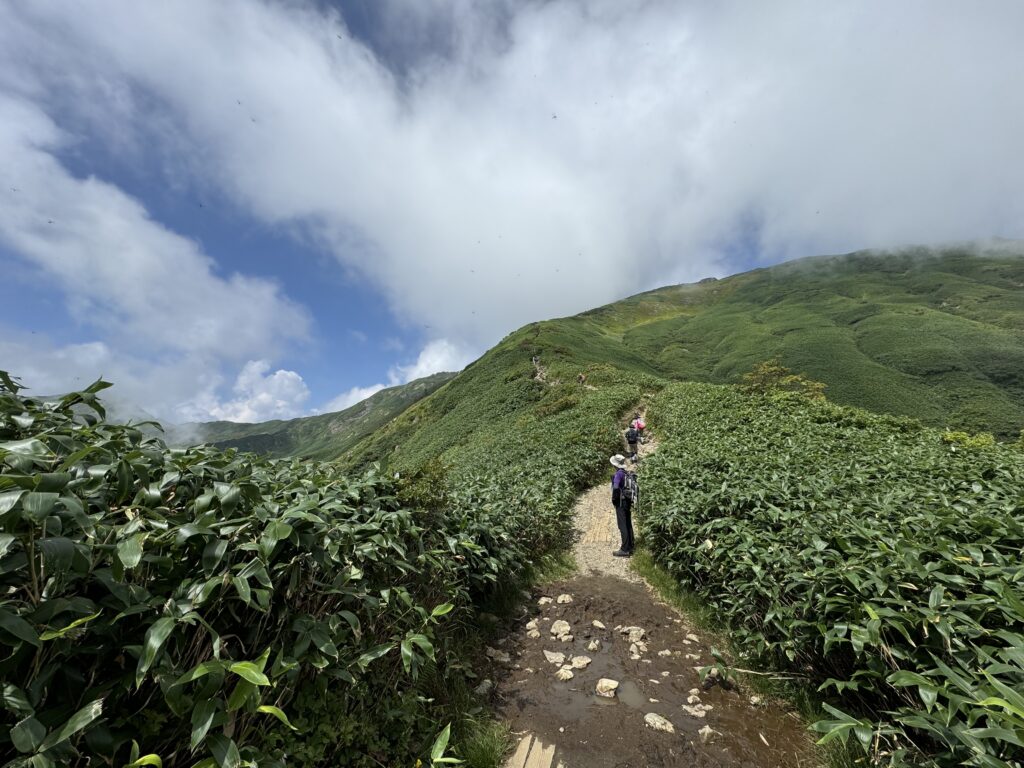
(607,625)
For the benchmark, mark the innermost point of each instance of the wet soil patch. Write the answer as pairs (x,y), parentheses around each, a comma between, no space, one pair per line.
(594,732)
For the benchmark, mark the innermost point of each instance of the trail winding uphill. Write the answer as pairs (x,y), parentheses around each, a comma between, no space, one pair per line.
(606,629)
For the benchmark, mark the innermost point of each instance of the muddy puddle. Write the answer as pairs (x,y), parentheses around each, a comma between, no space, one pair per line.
(590,731)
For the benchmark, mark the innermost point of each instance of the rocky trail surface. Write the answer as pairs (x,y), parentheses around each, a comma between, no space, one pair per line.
(600,672)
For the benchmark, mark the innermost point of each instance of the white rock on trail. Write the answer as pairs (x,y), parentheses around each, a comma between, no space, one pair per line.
(693,699)
(545,601)
(565,638)
(594,645)
(693,638)
(531,624)
(563,599)
(658,723)
(636,634)
(564,674)
(693,657)
(560,627)
(606,687)
(755,700)
(694,691)
(554,658)
(697,711)
(665,652)
(665,674)
(580,662)
(707,733)
(533,634)
(596,624)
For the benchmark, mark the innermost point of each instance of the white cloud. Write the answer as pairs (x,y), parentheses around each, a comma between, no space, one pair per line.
(525,160)
(259,396)
(351,397)
(437,356)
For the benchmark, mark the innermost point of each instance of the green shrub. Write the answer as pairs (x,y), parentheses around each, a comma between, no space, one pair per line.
(875,563)
(185,604)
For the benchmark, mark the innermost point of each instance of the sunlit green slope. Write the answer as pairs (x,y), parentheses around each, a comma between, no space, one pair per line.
(936,335)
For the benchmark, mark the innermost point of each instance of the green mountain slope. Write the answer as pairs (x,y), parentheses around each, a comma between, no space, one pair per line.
(324,436)
(937,335)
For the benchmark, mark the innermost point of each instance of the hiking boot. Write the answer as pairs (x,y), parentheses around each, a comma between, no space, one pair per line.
(620,553)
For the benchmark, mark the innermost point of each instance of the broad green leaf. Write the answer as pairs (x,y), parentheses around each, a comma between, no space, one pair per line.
(28,734)
(373,654)
(250,672)
(270,710)
(8,499)
(156,636)
(129,551)
(202,718)
(213,552)
(13,699)
(18,627)
(440,744)
(224,751)
(442,609)
(77,722)
(38,505)
(149,759)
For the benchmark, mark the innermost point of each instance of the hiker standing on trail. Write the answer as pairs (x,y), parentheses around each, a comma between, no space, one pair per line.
(639,425)
(623,491)
(632,436)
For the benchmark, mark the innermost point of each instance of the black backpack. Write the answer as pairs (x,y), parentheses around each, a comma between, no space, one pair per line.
(632,435)
(631,488)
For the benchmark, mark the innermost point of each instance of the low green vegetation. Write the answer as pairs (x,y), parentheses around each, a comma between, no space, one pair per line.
(325,436)
(874,558)
(200,607)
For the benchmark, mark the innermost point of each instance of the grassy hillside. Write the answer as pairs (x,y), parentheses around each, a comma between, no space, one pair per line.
(935,335)
(324,436)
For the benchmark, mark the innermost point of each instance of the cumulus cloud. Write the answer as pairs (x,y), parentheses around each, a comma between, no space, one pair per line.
(259,396)
(437,356)
(486,165)
(351,397)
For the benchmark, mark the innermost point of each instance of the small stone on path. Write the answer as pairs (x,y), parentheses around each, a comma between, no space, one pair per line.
(545,601)
(531,624)
(665,652)
(560,628)
(563,599)
(594,645)
(606,687)
(658,723)
(707,733)
(597,624)
(565,673)
(533,634)
(554,658)
(580,662)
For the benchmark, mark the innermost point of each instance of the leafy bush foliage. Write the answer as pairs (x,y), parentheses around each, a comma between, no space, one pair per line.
(175,605)
(771,377)
(880,563)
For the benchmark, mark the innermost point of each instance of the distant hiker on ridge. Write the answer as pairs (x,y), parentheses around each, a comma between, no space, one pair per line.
(624,493)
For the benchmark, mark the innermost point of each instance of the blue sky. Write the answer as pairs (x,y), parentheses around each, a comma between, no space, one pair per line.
(257,209)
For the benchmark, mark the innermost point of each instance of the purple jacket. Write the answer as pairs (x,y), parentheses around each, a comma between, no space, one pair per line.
(618,479)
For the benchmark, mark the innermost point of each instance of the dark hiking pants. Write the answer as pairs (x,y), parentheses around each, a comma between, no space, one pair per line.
(624,517)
